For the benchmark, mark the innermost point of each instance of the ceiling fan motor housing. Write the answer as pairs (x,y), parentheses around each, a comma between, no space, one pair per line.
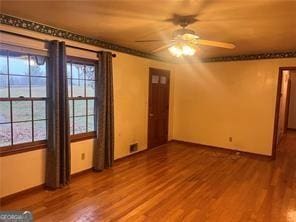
(180,32)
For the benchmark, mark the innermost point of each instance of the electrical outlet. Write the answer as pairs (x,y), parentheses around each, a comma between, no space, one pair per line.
(230,139)
(82,156)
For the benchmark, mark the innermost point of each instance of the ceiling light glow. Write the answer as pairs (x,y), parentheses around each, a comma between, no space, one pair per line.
(182,50)
(188,50)
(176,51)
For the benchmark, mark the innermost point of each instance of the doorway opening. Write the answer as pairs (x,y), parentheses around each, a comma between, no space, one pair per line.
(285,113)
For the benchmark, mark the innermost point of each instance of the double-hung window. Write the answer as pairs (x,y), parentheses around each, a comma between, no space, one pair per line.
(23,100)
(81,96)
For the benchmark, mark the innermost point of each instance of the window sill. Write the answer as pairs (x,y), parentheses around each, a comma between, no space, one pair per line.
(82,136)
(26,147)
(21,148)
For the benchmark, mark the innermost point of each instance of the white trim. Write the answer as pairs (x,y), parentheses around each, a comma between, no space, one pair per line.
(22,49)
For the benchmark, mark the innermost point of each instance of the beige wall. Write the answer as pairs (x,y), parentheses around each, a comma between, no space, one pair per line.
(22,171)
(131,101)
(25,170)
(215,101)
(292,106)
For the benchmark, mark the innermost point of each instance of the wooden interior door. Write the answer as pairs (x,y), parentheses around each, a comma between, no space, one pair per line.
(158,113)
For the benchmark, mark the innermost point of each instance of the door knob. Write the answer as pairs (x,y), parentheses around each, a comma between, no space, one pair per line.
(151,114)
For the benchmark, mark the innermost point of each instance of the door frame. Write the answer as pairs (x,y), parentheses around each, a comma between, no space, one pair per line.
(168,74)
(287,105)
(277,108)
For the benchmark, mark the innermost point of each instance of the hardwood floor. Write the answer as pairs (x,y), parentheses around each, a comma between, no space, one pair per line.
(177,182)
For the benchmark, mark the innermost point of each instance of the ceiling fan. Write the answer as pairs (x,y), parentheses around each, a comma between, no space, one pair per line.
(185,41)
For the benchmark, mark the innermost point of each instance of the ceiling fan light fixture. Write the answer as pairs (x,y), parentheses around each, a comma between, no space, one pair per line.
(176,50)
(189,37)
(182,50)
(188,50)
(185,41)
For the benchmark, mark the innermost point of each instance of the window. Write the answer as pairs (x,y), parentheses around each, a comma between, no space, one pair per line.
(81,92)
(23,99)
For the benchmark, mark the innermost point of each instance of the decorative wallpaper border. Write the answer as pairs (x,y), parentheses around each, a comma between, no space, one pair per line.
(45,29)
(48,30)
(277,55)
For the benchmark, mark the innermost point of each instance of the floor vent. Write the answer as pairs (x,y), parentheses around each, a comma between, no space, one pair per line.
(133,147)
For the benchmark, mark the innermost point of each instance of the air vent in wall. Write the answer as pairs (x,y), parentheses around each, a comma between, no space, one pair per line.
(133,147)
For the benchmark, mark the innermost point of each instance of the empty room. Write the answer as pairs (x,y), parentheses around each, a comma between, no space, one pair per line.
(129,110)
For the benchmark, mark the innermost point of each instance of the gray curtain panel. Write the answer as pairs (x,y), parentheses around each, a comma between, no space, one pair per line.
(58,151)
(104,143)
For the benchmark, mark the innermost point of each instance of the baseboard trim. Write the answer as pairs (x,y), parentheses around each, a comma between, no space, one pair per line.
(131,155)
(12,197)
(244,153)
(80,173)
(140,152)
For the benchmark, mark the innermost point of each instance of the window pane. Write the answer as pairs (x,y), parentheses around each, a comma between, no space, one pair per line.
(90,124)
(5,135)
(82,79)
(38,65)
(77,71)
(69,88)
(163,79)
(91,106)
(71,107)
(79,107)
(90,72)
(39,130)
(3,64)
(22,85)
(78,87)
(69,70)
(155,79)
(39,110)
(90,88)
(4,86)
(18,64)
(80,124)
(38,87)
(22,132)
(21,111)
(19,86)
(71,126)
(4,112)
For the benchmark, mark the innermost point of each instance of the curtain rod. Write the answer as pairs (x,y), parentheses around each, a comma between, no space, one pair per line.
(47,41)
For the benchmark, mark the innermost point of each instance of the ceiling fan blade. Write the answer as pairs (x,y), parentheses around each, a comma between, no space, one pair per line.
(214,43)
(163,47)
(159,30)
(150,40)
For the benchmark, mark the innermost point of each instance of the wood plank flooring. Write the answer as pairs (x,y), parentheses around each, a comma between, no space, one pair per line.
(177,182)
